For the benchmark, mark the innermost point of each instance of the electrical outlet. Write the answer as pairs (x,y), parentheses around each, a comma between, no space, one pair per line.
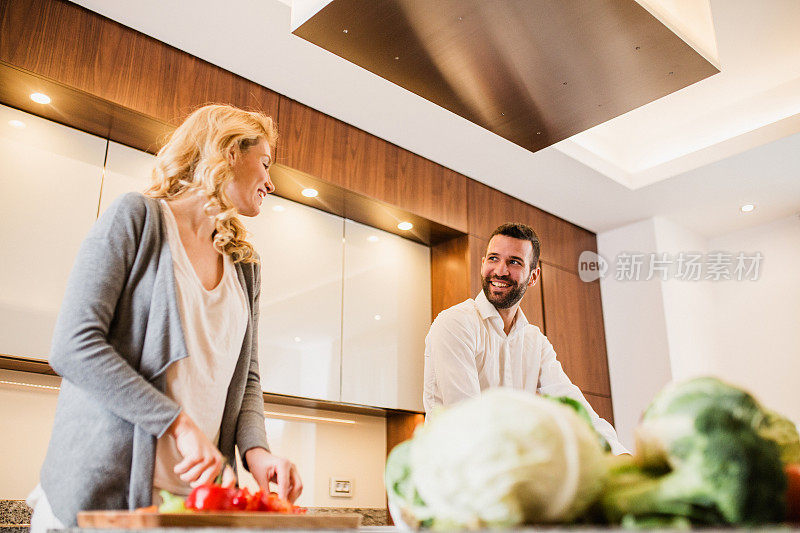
(341,487)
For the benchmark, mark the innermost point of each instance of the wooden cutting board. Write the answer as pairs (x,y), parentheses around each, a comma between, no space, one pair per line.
(133,520)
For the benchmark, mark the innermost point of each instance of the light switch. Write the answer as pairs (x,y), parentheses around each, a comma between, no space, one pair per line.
(341,487)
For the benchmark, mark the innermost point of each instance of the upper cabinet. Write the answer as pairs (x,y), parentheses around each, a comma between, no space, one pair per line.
(300,324)
(50,184)
(387,302)
(562,242)
(351,158)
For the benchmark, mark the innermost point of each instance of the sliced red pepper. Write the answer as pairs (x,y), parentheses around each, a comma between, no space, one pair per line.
(210,497)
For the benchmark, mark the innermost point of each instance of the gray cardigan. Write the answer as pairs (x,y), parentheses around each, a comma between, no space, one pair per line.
(118,330)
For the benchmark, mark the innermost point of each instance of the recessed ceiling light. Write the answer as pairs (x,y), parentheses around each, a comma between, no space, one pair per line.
(373,238)
(405,226)
(278,208)
(310,193)
(344,31)
(40,98)
(297,339)
(16,124)
(377,317)
(746,208)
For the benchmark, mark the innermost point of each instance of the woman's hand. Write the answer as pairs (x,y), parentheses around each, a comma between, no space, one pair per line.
(267,468)
(202,461)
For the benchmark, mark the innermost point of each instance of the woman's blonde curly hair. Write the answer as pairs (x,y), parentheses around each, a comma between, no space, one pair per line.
(196,158)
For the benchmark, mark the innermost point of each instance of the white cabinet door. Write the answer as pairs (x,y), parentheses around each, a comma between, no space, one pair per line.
(387,302)
(299,341)
(50,184)
(127,170)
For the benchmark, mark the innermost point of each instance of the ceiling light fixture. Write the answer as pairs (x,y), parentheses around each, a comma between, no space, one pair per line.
(310,193)
(405,226)
(377,317)
(40,98)
(16,124)
(746,208)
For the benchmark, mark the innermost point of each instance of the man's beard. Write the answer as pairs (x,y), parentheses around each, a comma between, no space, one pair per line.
(515,293)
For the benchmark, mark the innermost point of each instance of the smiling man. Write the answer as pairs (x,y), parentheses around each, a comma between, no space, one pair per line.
(487,342)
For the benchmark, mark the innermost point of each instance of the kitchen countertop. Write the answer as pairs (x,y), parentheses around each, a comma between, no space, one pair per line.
(393,529)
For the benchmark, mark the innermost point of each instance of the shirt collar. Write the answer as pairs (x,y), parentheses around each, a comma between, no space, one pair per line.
(487,311)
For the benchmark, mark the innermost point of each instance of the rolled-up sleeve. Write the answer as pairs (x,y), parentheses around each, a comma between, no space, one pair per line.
(553,381)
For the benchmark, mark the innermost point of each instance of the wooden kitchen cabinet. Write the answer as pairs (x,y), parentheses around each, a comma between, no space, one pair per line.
(334,151)
(561,242)
(602,405)
(574,318)
(50,185)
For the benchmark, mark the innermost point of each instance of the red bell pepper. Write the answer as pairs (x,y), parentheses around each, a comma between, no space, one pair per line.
(210,497)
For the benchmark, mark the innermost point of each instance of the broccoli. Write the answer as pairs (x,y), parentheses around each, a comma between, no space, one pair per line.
(700,459)
(783,431)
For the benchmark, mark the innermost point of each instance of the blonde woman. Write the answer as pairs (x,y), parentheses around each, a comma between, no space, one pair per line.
(156,338)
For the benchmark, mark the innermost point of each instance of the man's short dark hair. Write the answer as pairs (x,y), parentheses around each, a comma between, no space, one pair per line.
(523,232)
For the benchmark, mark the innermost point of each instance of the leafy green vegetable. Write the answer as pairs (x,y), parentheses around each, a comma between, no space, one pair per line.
(500,460)
(402,493)
(583,413)
(780,429)
(171,503)
(700,457)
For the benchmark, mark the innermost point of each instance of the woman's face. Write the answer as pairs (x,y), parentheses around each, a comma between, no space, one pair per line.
(251,181)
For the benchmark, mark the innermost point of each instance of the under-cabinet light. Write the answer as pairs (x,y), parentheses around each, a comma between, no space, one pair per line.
(308,417)
(32,385)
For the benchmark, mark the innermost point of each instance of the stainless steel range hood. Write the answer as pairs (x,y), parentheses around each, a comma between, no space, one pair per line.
(532,71)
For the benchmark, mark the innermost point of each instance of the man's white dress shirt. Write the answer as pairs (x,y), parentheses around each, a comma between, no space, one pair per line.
(467,351)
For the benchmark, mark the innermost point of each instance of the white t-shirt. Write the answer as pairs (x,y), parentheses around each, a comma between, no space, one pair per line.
(214,323)
(467,351)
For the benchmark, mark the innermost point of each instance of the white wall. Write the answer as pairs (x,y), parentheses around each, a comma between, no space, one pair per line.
(744,332)
(26,420)
(319,448)
(636,336)
(758,345)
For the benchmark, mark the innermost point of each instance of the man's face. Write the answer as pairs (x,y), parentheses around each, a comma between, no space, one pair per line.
(506,270)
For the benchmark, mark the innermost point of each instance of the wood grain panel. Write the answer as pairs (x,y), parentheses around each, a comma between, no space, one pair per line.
(400,427)
(602,405)
(562,242)
(450,273)
(574,317)
(432,190)
(337,152)
(91,53)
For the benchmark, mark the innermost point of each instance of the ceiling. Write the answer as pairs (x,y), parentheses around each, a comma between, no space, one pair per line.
(693,156)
